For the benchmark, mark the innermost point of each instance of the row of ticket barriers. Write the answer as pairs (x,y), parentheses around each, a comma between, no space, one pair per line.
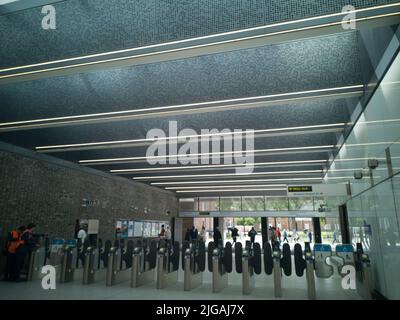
(142,261)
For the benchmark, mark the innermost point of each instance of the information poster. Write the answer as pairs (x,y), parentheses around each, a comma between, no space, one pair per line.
(146,229)
(138,229)
(130,229)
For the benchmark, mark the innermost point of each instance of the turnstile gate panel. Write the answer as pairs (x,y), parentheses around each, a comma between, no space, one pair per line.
(185,245)
(286,260)
(210,249)
(299,261)
(321,253)
(227,257)
(268,262)
(200,257)
(238,257)
(257,258)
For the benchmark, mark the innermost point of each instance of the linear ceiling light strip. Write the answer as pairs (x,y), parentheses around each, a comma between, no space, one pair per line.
(228,190)
(228,186)
(220,166)
(289,180)
(229,175)
(212,40)
(193,108)
(212,154)
(141,142)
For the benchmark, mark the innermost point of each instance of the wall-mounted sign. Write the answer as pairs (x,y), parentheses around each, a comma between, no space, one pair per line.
(317,190)
(300,189)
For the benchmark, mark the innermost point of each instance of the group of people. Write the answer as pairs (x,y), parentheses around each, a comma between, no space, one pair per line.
(235,233)
(276,237)
(19,243)
(193,234)
(165,233)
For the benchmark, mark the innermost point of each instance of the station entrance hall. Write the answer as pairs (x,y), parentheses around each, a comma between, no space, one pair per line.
(199,150)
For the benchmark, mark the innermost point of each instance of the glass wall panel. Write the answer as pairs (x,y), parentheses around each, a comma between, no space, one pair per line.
(188,204)
(276,204)
(253,203)
(209,204)
(303,204)
(230,204)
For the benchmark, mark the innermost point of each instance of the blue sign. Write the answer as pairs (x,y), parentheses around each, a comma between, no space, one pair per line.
(72,242)
(322,248)
(344,248)
(57,241)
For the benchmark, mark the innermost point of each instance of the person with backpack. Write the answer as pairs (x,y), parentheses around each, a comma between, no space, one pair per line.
(235,234)
(252,234)
(13,243)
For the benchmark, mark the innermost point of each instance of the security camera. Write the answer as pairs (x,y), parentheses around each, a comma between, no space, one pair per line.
(373,163)
(358,175)
(168,212)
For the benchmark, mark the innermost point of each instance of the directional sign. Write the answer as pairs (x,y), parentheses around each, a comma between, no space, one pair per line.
(317,190)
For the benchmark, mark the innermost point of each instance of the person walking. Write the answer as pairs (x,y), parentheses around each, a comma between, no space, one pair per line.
(187,235)
(252,234)
(309,236)
(278,234)
(273,237)
(162,232)
(193,233)
(217,237)
(285,235)
(235,234)
(334,237)
(202,234)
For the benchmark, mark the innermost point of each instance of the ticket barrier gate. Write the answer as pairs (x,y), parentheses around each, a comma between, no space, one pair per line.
(274,262)
(307,264)
(37,259)
(193,264)
(220,264)
(167,264)
(248,263)
(364,281)
(144,261)
(71,262)
(95,262)
(317,263)
(119,263)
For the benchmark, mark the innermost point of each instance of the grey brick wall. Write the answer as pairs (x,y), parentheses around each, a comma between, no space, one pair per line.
(52,196)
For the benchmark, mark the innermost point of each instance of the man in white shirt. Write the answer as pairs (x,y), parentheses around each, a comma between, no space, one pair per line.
(167,234)
(82,235)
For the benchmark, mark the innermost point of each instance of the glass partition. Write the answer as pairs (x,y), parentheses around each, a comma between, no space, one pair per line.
(302,204)
(209,204)
(230,204)
(255,203)
(276,204)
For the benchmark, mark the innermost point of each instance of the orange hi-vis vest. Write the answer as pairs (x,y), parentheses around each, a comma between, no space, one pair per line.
(16,241)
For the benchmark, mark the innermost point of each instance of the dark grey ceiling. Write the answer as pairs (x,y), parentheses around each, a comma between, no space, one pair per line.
(93,26)
(87,27)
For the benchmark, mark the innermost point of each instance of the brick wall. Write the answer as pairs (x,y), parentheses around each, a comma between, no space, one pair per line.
(49,192)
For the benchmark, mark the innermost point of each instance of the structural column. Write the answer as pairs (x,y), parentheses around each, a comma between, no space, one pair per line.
(317,230)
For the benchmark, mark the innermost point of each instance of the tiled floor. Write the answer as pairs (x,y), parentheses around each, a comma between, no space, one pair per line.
(293,287)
